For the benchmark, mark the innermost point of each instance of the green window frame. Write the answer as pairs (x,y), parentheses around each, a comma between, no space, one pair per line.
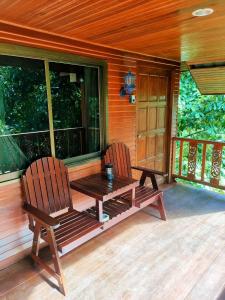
(56,57)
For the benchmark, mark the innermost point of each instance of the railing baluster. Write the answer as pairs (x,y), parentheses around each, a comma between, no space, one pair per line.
(174,157)
(216,165)
(192,161)
(203,162)
(192,156)
(180,158)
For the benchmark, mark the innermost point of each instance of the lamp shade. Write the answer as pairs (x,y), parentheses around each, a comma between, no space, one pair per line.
(129,83)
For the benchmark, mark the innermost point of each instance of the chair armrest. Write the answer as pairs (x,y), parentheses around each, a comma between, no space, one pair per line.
(150,171)
(40,216)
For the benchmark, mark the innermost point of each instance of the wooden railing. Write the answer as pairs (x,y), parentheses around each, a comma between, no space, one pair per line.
(200,161)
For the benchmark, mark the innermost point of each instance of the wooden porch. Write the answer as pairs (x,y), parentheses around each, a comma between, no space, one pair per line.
(182,258)
(87,50)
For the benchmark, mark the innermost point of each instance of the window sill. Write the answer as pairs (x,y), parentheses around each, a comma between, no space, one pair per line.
(84,162)
(14,177)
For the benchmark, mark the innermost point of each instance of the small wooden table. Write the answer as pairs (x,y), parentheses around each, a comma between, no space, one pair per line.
(100,188)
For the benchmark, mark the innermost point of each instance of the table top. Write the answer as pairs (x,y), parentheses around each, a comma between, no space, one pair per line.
(100,188)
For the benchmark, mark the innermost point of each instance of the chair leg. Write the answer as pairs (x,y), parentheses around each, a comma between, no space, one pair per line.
(56,261)
(57,273)
(161,208)
(36,239)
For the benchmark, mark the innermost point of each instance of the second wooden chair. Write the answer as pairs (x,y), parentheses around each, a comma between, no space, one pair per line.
(118,155)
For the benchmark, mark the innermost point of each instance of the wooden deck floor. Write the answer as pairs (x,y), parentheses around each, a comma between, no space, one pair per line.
(141,258)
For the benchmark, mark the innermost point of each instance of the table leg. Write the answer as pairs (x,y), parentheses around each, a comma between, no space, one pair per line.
(133,197)
(99,207)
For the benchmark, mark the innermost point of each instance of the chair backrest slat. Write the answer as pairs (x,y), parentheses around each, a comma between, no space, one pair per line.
(54,184)
(44,191)
(46,185)
(118,155)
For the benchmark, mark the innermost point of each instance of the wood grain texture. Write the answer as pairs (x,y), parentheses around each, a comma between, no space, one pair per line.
(184,257)
(210,81)
(15,239)
(164,29)
(46,185)
(118,155)
(153,89)
(98,186)
(213,177)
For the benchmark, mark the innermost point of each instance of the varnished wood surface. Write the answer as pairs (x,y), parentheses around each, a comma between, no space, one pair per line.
(99,187)
(15,238)
(46,185)
(214,178)
(118,154)
(142,257)
(160,28)
(152,118)
(210,81)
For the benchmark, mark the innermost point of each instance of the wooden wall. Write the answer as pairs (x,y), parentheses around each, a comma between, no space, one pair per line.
(15,238)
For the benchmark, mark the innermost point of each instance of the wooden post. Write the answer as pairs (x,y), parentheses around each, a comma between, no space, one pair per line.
(203,162)
(180,158)
(192,156)
(216,165)
(99,207)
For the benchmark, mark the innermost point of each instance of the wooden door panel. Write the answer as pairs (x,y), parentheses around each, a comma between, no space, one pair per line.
(161,117)
(143,88)
(142,120)
(159,164)
(163,83)
(160,144)
(151,149)
(153,88)
(141,149)
(152,119)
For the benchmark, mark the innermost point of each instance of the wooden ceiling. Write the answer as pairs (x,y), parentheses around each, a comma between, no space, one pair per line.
(164,28)
(210,81)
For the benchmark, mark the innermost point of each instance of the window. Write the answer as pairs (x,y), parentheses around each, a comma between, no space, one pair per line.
(75,104)
(47,108)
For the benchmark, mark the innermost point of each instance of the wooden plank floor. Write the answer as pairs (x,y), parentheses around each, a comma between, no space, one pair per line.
(141,258)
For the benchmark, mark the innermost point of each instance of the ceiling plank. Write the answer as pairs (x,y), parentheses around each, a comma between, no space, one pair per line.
(163,28)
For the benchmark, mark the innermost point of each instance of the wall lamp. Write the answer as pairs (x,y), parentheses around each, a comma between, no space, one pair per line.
(129,87)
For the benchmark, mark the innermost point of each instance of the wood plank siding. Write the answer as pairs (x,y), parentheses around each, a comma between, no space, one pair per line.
(15,238)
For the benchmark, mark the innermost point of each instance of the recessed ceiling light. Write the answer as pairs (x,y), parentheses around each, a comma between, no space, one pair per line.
(202,12)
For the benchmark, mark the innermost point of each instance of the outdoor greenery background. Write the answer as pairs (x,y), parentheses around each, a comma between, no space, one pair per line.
(24,124)
(200,117)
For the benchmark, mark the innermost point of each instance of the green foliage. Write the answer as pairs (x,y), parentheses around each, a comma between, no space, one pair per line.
(23,96)
(199,116)
(24,120)
(66,102)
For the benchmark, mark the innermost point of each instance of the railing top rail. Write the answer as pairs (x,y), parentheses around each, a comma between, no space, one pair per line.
(41,131)
(198,141)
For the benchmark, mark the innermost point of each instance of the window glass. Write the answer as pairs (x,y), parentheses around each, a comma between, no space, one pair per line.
(24,117)
(92,100)
(75,103)
(24,125)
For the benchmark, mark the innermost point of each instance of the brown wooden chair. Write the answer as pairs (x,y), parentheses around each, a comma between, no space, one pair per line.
(46,189)
(119,156)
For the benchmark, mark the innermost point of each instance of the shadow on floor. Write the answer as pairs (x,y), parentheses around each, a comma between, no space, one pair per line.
(184,200)
(180,200)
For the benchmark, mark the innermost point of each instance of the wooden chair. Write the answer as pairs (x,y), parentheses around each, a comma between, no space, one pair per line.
(46,189)
(119,156)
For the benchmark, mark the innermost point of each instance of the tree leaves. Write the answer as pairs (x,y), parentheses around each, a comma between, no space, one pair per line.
(199,116)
